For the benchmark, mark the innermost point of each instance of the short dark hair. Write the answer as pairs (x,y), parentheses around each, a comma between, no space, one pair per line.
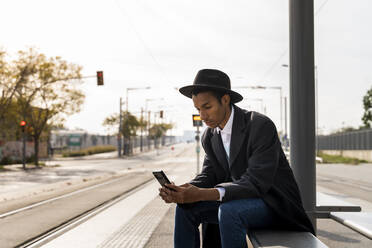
(216,93)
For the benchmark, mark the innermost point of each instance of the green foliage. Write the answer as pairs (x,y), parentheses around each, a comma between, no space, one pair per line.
(337,159)
(367,105)
(9,126)
(8,160)
(41,89)
(8,85)
(130,124)
(345,129)
(89,151)
(47,93)
(159,130)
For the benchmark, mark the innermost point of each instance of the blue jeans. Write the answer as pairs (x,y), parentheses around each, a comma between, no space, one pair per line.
(235,218)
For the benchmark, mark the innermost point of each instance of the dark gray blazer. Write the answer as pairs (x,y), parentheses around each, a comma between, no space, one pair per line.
(257,167)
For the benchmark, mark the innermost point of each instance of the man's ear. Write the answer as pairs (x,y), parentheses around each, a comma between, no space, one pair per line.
(226,99)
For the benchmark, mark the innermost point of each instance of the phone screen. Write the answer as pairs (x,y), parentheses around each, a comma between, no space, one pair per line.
(162,178)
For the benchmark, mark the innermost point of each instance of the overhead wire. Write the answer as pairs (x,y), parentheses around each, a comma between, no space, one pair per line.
(139,37)
(276,62)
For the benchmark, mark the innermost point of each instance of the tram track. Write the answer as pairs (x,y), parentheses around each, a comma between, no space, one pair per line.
(65,211)
(55,198)
(33,222)
(69,224)
(77,220)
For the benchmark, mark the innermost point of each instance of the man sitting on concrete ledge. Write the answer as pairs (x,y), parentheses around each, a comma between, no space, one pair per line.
(246,182)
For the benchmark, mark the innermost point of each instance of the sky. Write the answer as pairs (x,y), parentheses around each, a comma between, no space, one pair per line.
(162,44)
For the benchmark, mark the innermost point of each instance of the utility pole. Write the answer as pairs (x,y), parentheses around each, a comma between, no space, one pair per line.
(126,144)
(285,124)
(120,128)
(148,129)
(149,117)
(197,122)
(23,126)
(316,112)
(257,87)
(197,138)
(127,100)
(141,141)
(281,110)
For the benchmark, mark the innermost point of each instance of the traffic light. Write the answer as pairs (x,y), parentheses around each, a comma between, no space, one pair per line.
(99,77)
(161,114)
(23,125)
(197,121)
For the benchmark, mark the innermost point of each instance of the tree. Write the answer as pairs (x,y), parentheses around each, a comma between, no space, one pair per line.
(130,126)
(367,105)
(9,84)
(10,123)
(159,130)
(45,95)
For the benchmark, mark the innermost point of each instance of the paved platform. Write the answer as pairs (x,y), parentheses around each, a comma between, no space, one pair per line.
(129,223)
(143,220)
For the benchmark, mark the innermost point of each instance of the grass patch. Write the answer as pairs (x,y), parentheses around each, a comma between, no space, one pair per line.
(89,151)
(338,159)
(40,163)
(9,160)
(1,167)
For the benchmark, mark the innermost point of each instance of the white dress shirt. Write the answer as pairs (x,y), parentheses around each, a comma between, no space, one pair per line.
(226,139)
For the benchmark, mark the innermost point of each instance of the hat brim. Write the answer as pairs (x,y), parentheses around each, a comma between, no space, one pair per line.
(187,91)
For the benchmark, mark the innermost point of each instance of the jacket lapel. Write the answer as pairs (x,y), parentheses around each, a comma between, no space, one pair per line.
(219,150)
(238,134)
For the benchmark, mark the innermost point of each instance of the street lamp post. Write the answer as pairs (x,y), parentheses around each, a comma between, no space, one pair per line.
(285,125)
(268,87)
(316,110)
(149,118)
(141,141)
(120,125)
(127,104)
(257,99)
(131,89)
(316,104)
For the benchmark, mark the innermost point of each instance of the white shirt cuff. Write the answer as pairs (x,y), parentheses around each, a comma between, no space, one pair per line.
(222,192)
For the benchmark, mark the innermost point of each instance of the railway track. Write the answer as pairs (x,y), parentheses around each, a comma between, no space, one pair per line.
(59,214)
(77,220)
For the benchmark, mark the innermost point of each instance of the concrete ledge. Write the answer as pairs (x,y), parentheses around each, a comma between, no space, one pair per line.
(281,239)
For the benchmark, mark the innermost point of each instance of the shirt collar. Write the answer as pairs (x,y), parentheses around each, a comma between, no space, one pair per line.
(228,127)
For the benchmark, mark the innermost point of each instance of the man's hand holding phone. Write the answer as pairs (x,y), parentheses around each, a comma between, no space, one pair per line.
(185,193)
(169,192)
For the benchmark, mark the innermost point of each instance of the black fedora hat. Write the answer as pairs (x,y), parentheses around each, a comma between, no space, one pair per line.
(214,80)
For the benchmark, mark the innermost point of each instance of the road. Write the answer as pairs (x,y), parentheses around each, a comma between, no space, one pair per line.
(351,183)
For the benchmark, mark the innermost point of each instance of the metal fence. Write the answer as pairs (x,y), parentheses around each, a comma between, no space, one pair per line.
(76,141)
(355,140)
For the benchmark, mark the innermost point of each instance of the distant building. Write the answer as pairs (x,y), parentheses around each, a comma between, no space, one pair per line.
(188,136)
(78,139)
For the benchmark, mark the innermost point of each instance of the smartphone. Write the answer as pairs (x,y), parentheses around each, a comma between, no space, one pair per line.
(162,178)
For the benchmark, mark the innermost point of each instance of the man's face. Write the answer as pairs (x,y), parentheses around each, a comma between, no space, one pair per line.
(211,111)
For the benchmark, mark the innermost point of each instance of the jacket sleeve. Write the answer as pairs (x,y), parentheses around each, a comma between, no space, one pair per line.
(263,158)
(207,177)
